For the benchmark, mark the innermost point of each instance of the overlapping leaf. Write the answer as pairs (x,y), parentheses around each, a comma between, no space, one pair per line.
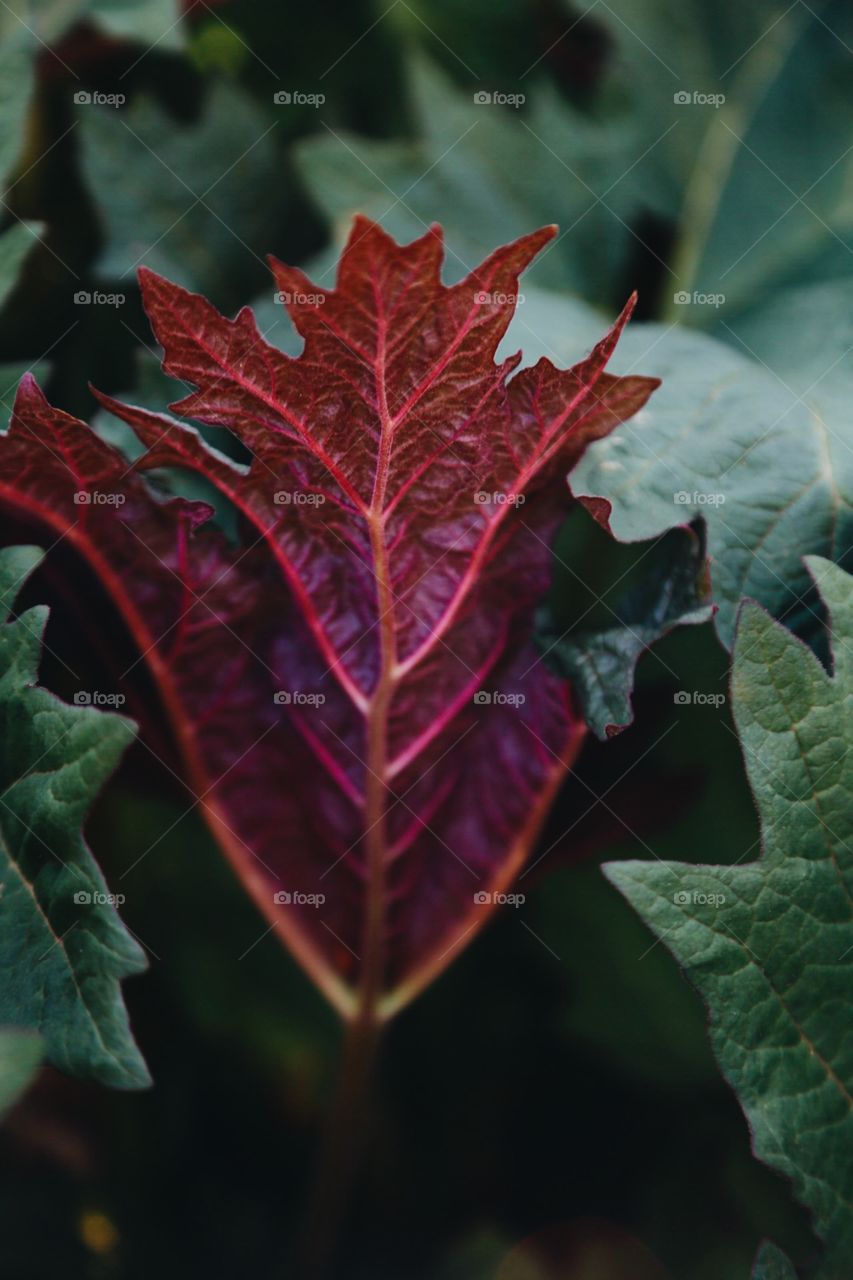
(756,441)
(379,744)
(63,949)
(770,943)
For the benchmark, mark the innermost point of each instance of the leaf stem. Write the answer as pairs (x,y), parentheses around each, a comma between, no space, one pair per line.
(341,1146)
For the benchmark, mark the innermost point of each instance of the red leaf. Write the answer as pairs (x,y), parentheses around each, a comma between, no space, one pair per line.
(400,504)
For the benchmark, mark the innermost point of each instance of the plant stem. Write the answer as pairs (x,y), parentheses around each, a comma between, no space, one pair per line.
(341,1146)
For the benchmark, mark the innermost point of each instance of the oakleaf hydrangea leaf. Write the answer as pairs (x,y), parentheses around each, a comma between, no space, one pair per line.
(63,948)
(769,944)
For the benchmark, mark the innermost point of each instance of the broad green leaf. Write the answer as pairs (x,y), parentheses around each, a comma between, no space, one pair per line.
(755,440)
(20,1055)
(600,660)
(192,211)
(769,944)
(488,173)
(771,1264)
(63,948)
(770,199)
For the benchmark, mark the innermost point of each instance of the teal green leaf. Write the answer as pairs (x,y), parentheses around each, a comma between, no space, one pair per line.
(673,590)
(769,944)
(192,212)
(20,1056)
(755,440)
(63,948)
(769,200)
(488,174)
(771,1264)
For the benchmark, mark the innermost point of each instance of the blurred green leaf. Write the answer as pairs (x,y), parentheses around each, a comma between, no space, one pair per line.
(489,173)
(770,199)
(769,944)
(63,948)
(20,1055)
(192,210)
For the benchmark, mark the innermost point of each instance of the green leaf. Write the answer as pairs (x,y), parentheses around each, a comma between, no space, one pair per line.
(600,660)
(769,201)
(489,173)
(771,1264)
(63,948)
(192,211)
(769,944)
(20,1056)
(17,51)
(754,443)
